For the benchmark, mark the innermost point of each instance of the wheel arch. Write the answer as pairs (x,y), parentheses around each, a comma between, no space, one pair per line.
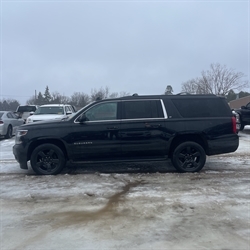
(198,138)
(55,142)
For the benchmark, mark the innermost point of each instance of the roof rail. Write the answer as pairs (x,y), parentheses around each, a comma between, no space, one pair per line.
(183,93)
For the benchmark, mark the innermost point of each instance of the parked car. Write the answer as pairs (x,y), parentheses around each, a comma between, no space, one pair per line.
(51,111)
(244,115)
(9,122)
(24,111)
(237,117)
(184,128)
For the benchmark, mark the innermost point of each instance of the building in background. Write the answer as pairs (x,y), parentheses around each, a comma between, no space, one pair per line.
(236,104)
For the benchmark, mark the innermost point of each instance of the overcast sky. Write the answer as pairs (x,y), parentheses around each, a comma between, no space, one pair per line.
(132,46)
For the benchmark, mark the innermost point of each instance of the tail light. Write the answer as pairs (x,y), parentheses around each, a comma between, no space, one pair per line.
(234,124)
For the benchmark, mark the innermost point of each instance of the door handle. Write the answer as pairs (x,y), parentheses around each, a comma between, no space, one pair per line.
(112,128)
(147,125)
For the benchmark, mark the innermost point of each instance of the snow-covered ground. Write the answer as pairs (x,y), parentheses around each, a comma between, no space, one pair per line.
(139,206)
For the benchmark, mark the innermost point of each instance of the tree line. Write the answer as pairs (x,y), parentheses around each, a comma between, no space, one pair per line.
(78,99)
(218,80)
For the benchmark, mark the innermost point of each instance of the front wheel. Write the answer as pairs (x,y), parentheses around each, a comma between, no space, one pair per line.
(189,157)
(47,159)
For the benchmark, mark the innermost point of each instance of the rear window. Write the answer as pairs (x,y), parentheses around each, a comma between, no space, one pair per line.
(191,108)
(26,109)
(49,110)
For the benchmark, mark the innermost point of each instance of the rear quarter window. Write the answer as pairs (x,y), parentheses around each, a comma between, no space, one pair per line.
(191,108)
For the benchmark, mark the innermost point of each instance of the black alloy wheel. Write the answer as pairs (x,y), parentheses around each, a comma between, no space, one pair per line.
(9,132)
(189,157)
(47,159)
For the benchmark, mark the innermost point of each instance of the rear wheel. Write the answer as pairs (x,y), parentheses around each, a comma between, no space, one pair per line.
(189,157)
(9,132)
(47,159)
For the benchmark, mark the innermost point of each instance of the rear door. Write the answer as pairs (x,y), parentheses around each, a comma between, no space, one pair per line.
(142,129)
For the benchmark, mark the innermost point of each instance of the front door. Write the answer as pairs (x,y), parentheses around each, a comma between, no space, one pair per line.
(97,139)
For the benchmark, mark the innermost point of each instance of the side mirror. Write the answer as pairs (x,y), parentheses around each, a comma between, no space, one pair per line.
(243,107)
(68,113)
(32,112)
(82,118)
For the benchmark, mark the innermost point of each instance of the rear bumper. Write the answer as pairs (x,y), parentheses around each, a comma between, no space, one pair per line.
(20,155)
(223,144)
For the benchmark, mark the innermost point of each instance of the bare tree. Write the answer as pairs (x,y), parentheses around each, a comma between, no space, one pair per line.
(169,90)
(102,93)
(218,80)
(79,99)
(31,100)
(116,94)
(56,98)
(124,93)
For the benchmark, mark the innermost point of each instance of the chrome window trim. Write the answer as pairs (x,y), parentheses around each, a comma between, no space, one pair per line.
(143,119)
(165,116)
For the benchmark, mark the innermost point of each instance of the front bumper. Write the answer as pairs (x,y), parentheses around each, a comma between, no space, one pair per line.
(20,155)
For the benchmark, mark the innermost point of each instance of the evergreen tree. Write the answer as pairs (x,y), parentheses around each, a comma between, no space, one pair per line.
(243,94)
(231,95)
(40,99)
(47,96)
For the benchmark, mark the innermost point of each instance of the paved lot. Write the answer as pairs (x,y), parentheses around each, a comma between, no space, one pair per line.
(136,206)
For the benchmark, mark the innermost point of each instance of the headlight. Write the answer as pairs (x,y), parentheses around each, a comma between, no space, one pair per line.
(28,120)
(19,135)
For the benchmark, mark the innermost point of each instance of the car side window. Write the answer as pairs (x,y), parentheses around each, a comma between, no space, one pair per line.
(67,109)
(141,109)
(102,111)
(9,115)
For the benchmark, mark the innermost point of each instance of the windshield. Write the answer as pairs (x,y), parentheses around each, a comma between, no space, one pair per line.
(49,111)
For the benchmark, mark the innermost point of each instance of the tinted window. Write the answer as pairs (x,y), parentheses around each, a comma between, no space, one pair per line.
(103,111)
(141,109)
(191,108)
(26,109)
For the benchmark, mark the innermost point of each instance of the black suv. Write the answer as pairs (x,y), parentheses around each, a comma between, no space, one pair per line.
(244,115)
(184,128)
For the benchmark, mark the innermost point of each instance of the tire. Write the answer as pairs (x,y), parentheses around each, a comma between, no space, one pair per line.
(9,132)
(242,126)
(47,159)
(189,157)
